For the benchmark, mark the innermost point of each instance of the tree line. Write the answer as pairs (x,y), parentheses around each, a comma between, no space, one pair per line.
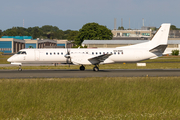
(44,32)
(90,31)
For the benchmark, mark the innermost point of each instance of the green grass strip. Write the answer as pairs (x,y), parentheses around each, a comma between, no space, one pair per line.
(90,98)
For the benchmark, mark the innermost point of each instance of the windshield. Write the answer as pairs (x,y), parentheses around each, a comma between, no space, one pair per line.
(21,52)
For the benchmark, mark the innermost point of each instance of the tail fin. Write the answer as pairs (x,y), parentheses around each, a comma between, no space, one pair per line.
(161,36)
(158,43)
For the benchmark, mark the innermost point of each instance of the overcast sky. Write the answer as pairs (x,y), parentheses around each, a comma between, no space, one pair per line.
(73,14)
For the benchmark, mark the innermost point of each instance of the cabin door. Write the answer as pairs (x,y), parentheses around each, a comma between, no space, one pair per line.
(37,56)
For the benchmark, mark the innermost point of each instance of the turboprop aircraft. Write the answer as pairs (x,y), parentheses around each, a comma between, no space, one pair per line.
(95,56)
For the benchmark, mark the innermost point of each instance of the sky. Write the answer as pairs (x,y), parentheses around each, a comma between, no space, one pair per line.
(73,14)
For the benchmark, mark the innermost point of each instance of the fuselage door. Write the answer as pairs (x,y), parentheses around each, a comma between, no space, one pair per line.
(37,56)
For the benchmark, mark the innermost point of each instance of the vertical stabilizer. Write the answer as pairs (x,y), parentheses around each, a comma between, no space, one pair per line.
(159,39)
(161,36)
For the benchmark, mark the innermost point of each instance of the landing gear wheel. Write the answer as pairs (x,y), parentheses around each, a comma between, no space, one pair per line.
(82,68)
(96,69)
(19,69)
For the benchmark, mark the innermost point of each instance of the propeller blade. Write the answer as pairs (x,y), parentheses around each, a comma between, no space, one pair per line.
(68,57)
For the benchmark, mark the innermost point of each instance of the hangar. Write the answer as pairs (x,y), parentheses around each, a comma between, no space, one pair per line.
(132,34)
(12,44)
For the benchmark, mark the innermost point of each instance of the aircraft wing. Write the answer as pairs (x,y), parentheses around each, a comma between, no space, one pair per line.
(100,58)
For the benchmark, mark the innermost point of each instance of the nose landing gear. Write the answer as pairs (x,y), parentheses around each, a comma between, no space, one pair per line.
(19,69)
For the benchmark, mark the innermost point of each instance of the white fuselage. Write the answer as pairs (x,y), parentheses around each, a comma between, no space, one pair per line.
(81,56)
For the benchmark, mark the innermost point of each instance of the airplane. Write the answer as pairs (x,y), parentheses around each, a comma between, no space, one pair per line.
(95,56)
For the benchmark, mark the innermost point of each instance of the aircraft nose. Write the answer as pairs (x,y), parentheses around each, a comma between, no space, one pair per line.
(10,59)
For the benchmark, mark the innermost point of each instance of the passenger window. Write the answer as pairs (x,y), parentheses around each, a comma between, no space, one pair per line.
(96,53)
(62,53)
(86,52)
(58,53)
(54,53)
(114,52)
(100,53)
(47,53)
(50,53)
(92,53)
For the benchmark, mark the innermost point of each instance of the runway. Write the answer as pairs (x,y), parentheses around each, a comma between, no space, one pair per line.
(88,73)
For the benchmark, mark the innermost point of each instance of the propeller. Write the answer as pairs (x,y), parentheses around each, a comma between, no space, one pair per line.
(68,60)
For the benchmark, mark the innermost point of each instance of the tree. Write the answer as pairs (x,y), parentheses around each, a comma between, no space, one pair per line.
(66,34)
(93,31)
(1,33)
(173,27)
(49,28)
(10,32)
(36,32)
(16,31)
(49,31)
(72,35)
(121,28)
(175,52)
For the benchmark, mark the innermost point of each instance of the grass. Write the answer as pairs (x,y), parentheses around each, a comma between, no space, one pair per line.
(3,59)
(90,98)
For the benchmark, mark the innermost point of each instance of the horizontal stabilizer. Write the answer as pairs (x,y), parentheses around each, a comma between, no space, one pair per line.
(158,49)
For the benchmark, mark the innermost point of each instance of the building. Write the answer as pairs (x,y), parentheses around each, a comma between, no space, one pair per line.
(174,34)
(12,44)
(132,34)
(64,44)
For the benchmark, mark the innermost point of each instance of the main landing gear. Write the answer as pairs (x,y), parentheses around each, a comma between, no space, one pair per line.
(19,69)
(82,68)
(95,68)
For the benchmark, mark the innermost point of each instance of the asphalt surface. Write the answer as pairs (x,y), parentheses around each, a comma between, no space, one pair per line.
(88,73)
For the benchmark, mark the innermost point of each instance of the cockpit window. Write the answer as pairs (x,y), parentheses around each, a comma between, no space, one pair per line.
(22,52)
(19,52)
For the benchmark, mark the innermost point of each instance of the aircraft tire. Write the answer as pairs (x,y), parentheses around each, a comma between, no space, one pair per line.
(19,69)
(95,69)
(82,68)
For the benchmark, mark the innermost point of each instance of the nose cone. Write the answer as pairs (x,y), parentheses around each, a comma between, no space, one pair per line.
(10,59)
